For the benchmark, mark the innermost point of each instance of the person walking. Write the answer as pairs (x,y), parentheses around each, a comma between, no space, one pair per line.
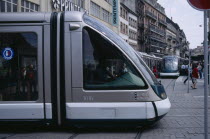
(183,69)
(195,76)
(155,71)
(188,69)
(200,70)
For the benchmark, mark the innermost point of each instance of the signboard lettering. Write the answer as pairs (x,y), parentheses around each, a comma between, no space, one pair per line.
(115,12)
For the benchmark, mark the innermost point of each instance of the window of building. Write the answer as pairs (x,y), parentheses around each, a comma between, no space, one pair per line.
(27,6)
(132,22)
(105,15)
(132,34)
(126,15)
(121,27)
(95,9)
(123,13)
(121,10)
(19,73)
(105,67)
(8,6)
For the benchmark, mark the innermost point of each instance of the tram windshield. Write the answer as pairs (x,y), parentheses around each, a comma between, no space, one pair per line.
(122,44)
(170,64)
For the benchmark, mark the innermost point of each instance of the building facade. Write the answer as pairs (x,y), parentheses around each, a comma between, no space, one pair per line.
(103,11)
(171,37)
(99,9)
(141,23)
(128,23)
(177,43)
(151,27)
(197,51)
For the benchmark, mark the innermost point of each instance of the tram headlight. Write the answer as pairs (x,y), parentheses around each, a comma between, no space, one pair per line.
(163,95)
(159,90)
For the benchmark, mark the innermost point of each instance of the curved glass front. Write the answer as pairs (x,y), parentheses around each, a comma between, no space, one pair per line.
(170,64)
(123,45)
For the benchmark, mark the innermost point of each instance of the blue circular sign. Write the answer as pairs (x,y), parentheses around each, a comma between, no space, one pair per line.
(7,53)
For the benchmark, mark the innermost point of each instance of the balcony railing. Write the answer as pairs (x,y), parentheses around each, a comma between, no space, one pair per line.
(156,30)
(153,37)
(162,22)
(150,14)
(156,44)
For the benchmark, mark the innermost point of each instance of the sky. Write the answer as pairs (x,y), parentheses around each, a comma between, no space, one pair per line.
(187,18)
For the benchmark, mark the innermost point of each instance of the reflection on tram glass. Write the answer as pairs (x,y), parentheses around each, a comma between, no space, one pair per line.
(18,74)
(171,63)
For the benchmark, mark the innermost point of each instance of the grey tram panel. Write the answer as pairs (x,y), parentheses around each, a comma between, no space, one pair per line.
(25,17)
(26,109)
(94,104)
(80,103)
(37,23)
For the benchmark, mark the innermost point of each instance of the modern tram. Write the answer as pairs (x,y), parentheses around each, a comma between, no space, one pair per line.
(170,66)
(151,60)
(67,68)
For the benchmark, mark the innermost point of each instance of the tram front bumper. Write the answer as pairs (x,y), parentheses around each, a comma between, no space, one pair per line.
(169,74)
(163,106)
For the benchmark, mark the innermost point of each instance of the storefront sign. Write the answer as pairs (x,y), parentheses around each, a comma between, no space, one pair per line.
(7,53)
(66,5)
(115,13)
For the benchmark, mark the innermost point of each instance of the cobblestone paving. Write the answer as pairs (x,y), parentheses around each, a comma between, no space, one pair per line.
(184,121)
(186,117)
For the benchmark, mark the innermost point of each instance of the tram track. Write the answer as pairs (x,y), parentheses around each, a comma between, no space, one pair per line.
(172,81)
(138,135)
(73,136)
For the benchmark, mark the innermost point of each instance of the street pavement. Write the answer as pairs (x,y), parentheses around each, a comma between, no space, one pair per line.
(185,120)
(186,117)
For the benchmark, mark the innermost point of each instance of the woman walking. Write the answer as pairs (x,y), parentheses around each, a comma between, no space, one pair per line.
(195,76)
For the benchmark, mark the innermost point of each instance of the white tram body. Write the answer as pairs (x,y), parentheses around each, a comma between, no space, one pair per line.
(66,68)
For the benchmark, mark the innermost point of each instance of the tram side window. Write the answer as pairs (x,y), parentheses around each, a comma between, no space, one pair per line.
(105,67)
(18,67)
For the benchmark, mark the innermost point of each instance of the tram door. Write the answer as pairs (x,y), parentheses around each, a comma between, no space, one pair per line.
(21,75)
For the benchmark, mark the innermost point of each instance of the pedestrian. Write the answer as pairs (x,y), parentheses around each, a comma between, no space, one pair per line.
(155,71)
(200,70)
(183,69)
(195,76)
(189,70)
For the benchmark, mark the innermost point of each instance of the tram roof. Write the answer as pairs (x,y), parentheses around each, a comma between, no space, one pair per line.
(38,17)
